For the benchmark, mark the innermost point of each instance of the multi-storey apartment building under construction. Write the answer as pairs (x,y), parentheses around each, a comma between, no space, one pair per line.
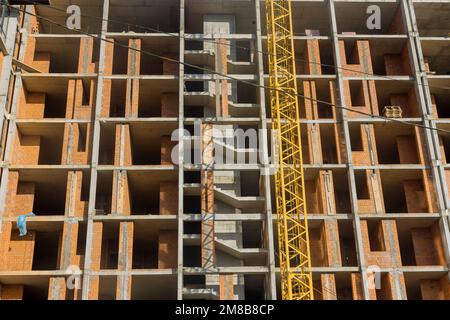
(123,137)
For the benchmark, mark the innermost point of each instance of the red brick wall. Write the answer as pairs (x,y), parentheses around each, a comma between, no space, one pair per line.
(167,249)
(97,235)
(357,290)
(121,199)
(390,257)
(226,291)
(26,149)
(168,198)
(132,89)
(169,105)
(415,196)
(68,252)
(123,152)
(11,292)
(169,67)
(407,150)
(167,146)
(312,55)
(31,105)
(19,196)
(396,26)
(74,205)
(85,64)
(19,256)
(107,83)
(435,289)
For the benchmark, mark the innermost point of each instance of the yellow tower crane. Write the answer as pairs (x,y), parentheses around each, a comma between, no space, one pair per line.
(293,238)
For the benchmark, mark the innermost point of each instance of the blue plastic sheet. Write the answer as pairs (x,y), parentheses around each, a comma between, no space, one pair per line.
(22,223)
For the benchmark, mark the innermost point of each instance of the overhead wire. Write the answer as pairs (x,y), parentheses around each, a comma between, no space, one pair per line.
(226,76)
(235,45)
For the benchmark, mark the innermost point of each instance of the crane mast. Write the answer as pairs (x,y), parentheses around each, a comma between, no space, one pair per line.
(293,238)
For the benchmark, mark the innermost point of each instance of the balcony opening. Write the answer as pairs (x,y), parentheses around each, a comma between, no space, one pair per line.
(118,97)
(192,256)
(356,138)
(351,52)
(55,105)
(362,189)
(46,247)
(110,246)
(356,93)
(104,193)
(347,244)
(376,236)
(107,288)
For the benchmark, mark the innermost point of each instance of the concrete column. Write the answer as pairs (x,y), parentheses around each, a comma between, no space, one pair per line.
(123,288)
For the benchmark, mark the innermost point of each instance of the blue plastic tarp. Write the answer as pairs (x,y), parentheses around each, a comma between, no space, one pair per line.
(22,223)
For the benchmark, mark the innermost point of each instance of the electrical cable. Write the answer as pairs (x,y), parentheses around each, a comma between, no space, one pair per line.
(239,47)
(396,120)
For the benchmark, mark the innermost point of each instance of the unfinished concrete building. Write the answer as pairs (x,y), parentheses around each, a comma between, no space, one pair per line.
(99,137)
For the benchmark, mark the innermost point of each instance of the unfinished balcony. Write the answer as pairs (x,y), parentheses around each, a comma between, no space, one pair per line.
(397,64)
(369,192)
(65,194)
(58,17)
(436,57)
(148,98)
(36,251)
(77,54)
(144,17)
(120,247)
(440,100)
(325,244)
(306,16)
(318,98)
(363,144)
(432,287)
(399,94)
(151,245)
(35,145)
(355,20)
(355,57)
(421,243)
(313,55)
(381,250)
(408,191)
(125,193)
(399,144)
(329,149)
(206,17)
(161,287)
(432,18)
(321,195)
(134,145)
(129,56)
(58,144)
(46,247)
(46,97)
(361,98)
(444,144)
